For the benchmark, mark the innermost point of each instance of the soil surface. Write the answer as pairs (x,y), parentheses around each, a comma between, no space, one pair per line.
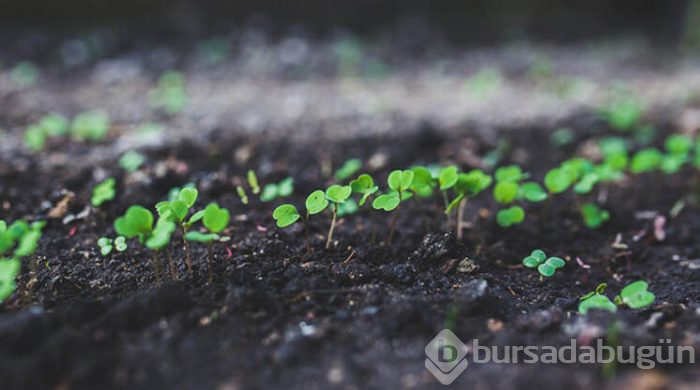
(359,314)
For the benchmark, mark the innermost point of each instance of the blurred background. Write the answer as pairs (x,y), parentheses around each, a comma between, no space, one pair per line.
(342,68)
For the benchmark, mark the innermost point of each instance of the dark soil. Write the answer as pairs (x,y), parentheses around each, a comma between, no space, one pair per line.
(358,315)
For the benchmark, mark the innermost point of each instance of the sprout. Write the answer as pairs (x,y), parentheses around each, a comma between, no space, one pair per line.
(106,245)
(596,300)
(274,191)
(423,182)
(242,194)
(510,216)
(9,269)
(349,168)
(593,216)
(103,192)
(215,219)
(131,161)
(364,186)
(545,266)
(336,194)
(635,295)
(178,208)
(91,126)
(558,180)
(646,160)
(253,182)
(399,185)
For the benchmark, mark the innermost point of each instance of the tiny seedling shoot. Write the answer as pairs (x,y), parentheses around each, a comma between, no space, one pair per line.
(215,220)
(545,266)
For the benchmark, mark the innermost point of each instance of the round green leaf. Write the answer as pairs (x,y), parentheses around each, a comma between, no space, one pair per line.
(337,193)
(285,215)
(316,202)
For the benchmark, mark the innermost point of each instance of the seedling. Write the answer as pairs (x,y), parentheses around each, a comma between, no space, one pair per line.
(364,186)
(242,195)
(349,168)
(646,160)
(215,219)
(103,192)
(510,216)
(636,295)
(336,194)
(107,245)
(170,94)
(131,161)
(91,126)
(594,216)
(253,182)
(596,300)
(9,269)
(178,209)
(545,266)
(399,185)
(274,191)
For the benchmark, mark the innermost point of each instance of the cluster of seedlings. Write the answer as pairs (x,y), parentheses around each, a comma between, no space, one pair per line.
(18,241)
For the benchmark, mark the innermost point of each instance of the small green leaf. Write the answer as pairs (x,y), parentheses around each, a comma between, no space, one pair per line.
(188,195)
(285,215)
(596,301)
(510,216)
(555,262)
(215,218)
(505,191)
(316,202)
(448,177)
(533,192)
(337,193)
(386,202)
(546,270)
(348,169)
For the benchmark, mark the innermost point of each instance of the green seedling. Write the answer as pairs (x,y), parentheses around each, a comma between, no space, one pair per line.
(170,94)
(510,216)
(107,245)
(364,186)
(91,126)
(558,180)
(103,192)
(17,241)
(274,191)
(131,161)
(624,112)
(242,195)
(468,185)
(596,300)
(253,182)
(636,295)
(9,269)
(646,160)
(178,208)
(349,168)
(545,266)
(399,183)
(423,182)
(594,216)
(336,195)
(215,219)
